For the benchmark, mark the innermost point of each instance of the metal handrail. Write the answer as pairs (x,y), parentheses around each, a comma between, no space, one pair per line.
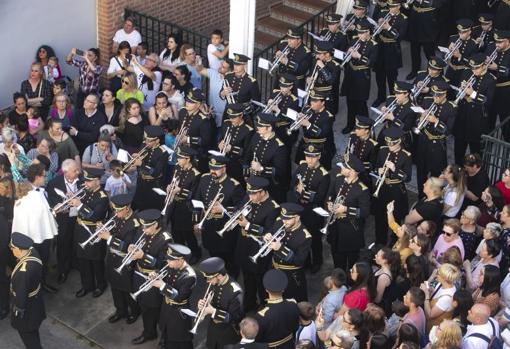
(495,157)
(313,25)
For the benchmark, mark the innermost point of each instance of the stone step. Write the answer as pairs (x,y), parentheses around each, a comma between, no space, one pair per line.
(273,26)
(263,40)
(311,6)
(289,14)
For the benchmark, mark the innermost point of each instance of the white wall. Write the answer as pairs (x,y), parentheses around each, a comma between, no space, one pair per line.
(27,24)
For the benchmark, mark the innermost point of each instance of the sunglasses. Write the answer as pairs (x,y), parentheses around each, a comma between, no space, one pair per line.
(448,234)
(125,82)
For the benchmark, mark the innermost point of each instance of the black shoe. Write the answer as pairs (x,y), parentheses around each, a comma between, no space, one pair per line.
(377,103)
(411,75)
(98,292)
(48,288)
(346,130)
(132,318)
(4,313)
(81,293)
(114,318)
(142,339)
(62,278)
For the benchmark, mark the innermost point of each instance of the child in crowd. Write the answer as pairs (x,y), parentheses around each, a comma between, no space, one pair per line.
(141,52)
(332,302)
(307,328)
(172,127)
(35,123)
(399,310)
(118,182)
(52,70)
(216,51)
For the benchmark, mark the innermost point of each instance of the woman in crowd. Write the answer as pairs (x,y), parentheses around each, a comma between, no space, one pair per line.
(162,111)
(90,69)
(183,75)
(132,124)
(118,66)
(389,267)
(504,185)
(25,139)
(129,89)
(447,335)
(451,256)
(407,333)
(169,57)
(427,228)
(454,191)
(64,145)
(489,251)
(470,232)
(110,107)
(43,54)
(491,206)
(420,245)
(100,154)
(477,179)
(403,233)
(439,300)
(362,290)
(46,147)
(430,207)
(488,291)
(462,302)
(504,239)
(20,107)
(450,237)
(37,90)
(62,109)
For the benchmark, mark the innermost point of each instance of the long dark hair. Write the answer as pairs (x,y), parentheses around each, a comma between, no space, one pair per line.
(414,270)
(464,302)
(365,279)
(491,280)
(393,259)
(49,51)
(178,42)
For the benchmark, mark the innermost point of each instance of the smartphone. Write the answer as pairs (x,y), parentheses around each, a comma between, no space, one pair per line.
(128,56)
(79,52)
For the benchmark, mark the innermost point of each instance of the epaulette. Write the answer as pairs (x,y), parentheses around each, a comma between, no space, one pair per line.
(291,300)
(263,311)
(335,62)
(249,127)
(403,15)
(307,234)
(252,78)
(421,71)
(203,116)
(275,204)
(229,73)
(280,143)
(162,148)
(493,76)
(323,171)
(406,152)
(363,186)
(339,174)
(196,172)
(383,146)
(235,181)
(428,97)
(23,267)
(373,41)
(373,141)
(294,98)
(454,35)
(276,90)
(453,104)
(302,162)
(102,194)
(191,271)
(235,287)
(227,120)
(307,50)
(167,236)
(136,223)
(329,114)
(284,41)
(206,174)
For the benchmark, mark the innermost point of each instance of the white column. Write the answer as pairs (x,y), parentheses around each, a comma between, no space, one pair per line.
(242,29)
(344,7)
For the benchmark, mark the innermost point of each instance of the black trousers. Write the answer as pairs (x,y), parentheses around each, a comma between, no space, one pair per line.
(461,147)
(253,288)
(345,260)
(178,345)
(381,78)
(428,48)
(44,252)
(65,247)
(150,317)
(5,282)
(91,274)
(187,237)
(354,108)
(31,339)
(124,304)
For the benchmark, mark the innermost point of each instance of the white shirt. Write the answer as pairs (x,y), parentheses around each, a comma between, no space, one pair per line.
(505,290)
(308,332)
(72,187)
(444,297)
(450,196)
(134,38)
(149,95)
(470,342)
(177,99)
(114,65)
(214,62)
(215,85)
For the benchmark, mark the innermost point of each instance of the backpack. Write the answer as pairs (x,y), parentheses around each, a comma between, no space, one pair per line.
(494,342)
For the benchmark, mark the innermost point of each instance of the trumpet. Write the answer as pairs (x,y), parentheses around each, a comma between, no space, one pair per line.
(415,92)
(231,99)
(297,123)
(311,84)
(139,156)
(232,222)
(277,60)
(382,178)
(339,200)
(379,28)
(425,119)
(348,56)
(128,258)
(148,281)
(463,91)
(94,238)
(209,294)
(66,204)
(492,57)
(207,215)
(274,103)
(327,36)
(380,119)
(171,194)
(226,141)
(183,133)
(408,4)
(346,26)
(265,249)
(450,52)
(482,38)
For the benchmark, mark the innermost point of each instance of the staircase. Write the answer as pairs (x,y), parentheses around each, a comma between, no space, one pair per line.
(284,15)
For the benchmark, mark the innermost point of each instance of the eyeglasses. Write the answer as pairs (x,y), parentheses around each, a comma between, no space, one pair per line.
(191,53)
(448,234)
(125,82)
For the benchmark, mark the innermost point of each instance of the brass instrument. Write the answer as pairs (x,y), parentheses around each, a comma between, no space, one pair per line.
(425,119)
(232,222)
(277,60)
(348,56)
(207,214)
(327,37)
(128,258)
(139,156)
(379,28)
(265,249)
(226,141)
(149,281)
(209,294)
(415,92)
(296,124)
(231,99)
(66,204)
(382,178)
(183,133)
(274,103)
(391,108)
(339,200)
(311,83)
(94,238)
(463,91)
(171,194)
(456,46)
(482,38)
(346,26)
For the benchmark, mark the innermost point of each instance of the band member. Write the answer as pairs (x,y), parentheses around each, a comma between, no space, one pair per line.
(501,69)
(484,33)
(68,183)
(349,203)
(279,319)
(287,100)
(394,164)
(328,75)
(179,211)
(333,34)
(240,137)
(268,157)
(197,127)
(317,129)
(118,239)
(264,211)
(309,186)
(431,144)
(434,73)
(225,307)
(27,310)
(92,209)
(402,116)
(356,84)
(380,7)
(297,58)
(149,258)
(223,193)
(460,58)
(358,16)
(291,251)
(176,289)
(239,86)
(471,121)
(152,167)
(389,55)
(364,147)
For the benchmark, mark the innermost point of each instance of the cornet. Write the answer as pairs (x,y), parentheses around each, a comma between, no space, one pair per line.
(207,214)
(94,238)
(348,56)
(450,52)
(380,119)
(379,28)
(297,123)
(339,200)
(128,258)
(171,194)
(277,60)
(66,204)
(346,26)
(226,141)
(310,85)
(183,133)
(415,92)
(382,178)
(149,281)
(425,119)
(231,99)
(209,294)
(232,222)
(266,249)
(463,91)
(139,156)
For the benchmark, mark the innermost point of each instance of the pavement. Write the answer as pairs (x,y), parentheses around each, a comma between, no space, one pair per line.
(82,323)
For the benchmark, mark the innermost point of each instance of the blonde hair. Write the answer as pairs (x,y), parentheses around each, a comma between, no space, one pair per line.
(450,335)
(22,189)
(436,185)
(449,272)
(61,94)
(133,85)
(184,47)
